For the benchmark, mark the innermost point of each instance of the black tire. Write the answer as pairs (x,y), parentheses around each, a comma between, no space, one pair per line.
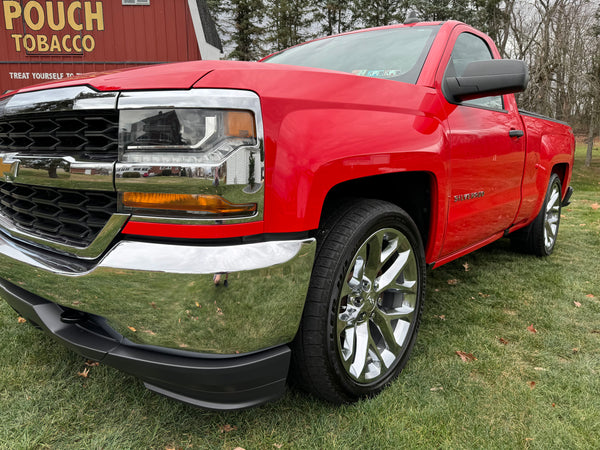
(539,237)
(364,303)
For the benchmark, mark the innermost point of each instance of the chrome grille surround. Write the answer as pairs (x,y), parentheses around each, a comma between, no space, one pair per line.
(58,148)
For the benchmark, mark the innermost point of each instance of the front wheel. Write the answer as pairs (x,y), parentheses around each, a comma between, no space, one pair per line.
(364,303)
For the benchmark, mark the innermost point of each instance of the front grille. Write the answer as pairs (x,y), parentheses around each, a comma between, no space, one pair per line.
(84,135)
(66,216)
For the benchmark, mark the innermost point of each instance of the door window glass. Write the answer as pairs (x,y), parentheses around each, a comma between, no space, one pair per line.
(469,48)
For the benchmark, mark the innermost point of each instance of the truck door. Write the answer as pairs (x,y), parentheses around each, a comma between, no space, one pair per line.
(486,154)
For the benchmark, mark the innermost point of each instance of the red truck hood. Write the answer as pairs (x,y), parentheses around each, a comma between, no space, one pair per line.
(279,86)
(164,76)
(260,77)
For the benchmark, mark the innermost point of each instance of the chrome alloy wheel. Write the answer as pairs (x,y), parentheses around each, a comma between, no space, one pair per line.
(552,217)
(376,312)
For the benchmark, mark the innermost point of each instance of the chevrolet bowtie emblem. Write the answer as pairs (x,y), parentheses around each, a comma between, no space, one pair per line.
(8,168)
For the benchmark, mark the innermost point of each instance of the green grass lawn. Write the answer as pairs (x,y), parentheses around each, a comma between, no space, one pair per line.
(524,390)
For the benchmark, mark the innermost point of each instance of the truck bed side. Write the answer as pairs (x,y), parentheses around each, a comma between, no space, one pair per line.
(549,149)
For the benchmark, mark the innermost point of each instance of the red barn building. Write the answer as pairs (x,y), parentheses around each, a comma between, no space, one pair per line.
(46,40)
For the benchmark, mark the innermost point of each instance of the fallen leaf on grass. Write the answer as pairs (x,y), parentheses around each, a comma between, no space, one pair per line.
(92,363)
(132,329)
(153,305)
(577,304)
(150,332)
(442,317)
(466,266)
(453,282)
(503,341)
(575,350)
(219,311)
(595,206)
(21,320)
(85,372)
(277,445)
(239,448)
(227,428)
(530,328)
(466,357)
(590,296)
(436,388)
(531,384)
(481,294)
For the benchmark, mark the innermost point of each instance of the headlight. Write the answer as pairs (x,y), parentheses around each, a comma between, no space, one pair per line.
(184,136)
(191,155)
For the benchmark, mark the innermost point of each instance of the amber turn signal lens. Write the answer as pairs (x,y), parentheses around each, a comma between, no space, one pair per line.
(209,204)
(240,124)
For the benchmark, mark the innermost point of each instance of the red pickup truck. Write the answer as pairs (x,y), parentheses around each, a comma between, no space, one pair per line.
(211,226)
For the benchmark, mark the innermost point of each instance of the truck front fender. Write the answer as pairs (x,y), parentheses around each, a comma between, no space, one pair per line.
(316,150)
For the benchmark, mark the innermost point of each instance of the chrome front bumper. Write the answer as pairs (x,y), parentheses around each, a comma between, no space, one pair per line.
(165,295)
(154,311)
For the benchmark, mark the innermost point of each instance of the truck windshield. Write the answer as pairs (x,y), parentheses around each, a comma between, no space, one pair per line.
(391,53)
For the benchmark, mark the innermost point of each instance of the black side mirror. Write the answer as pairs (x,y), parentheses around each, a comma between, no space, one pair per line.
(486,79)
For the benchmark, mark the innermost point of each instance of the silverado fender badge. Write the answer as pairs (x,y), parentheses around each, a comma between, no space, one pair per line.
(8,167)
(469,196)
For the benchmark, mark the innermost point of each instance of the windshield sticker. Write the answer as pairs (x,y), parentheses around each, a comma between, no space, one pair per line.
(387,73)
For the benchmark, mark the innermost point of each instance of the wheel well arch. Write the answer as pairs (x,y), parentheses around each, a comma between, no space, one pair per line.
(560,170)
(411,191)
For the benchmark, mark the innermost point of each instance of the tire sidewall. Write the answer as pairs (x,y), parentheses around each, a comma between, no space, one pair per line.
(396,219)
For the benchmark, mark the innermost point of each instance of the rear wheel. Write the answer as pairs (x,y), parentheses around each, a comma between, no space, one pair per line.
(364,303)
(540,236)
